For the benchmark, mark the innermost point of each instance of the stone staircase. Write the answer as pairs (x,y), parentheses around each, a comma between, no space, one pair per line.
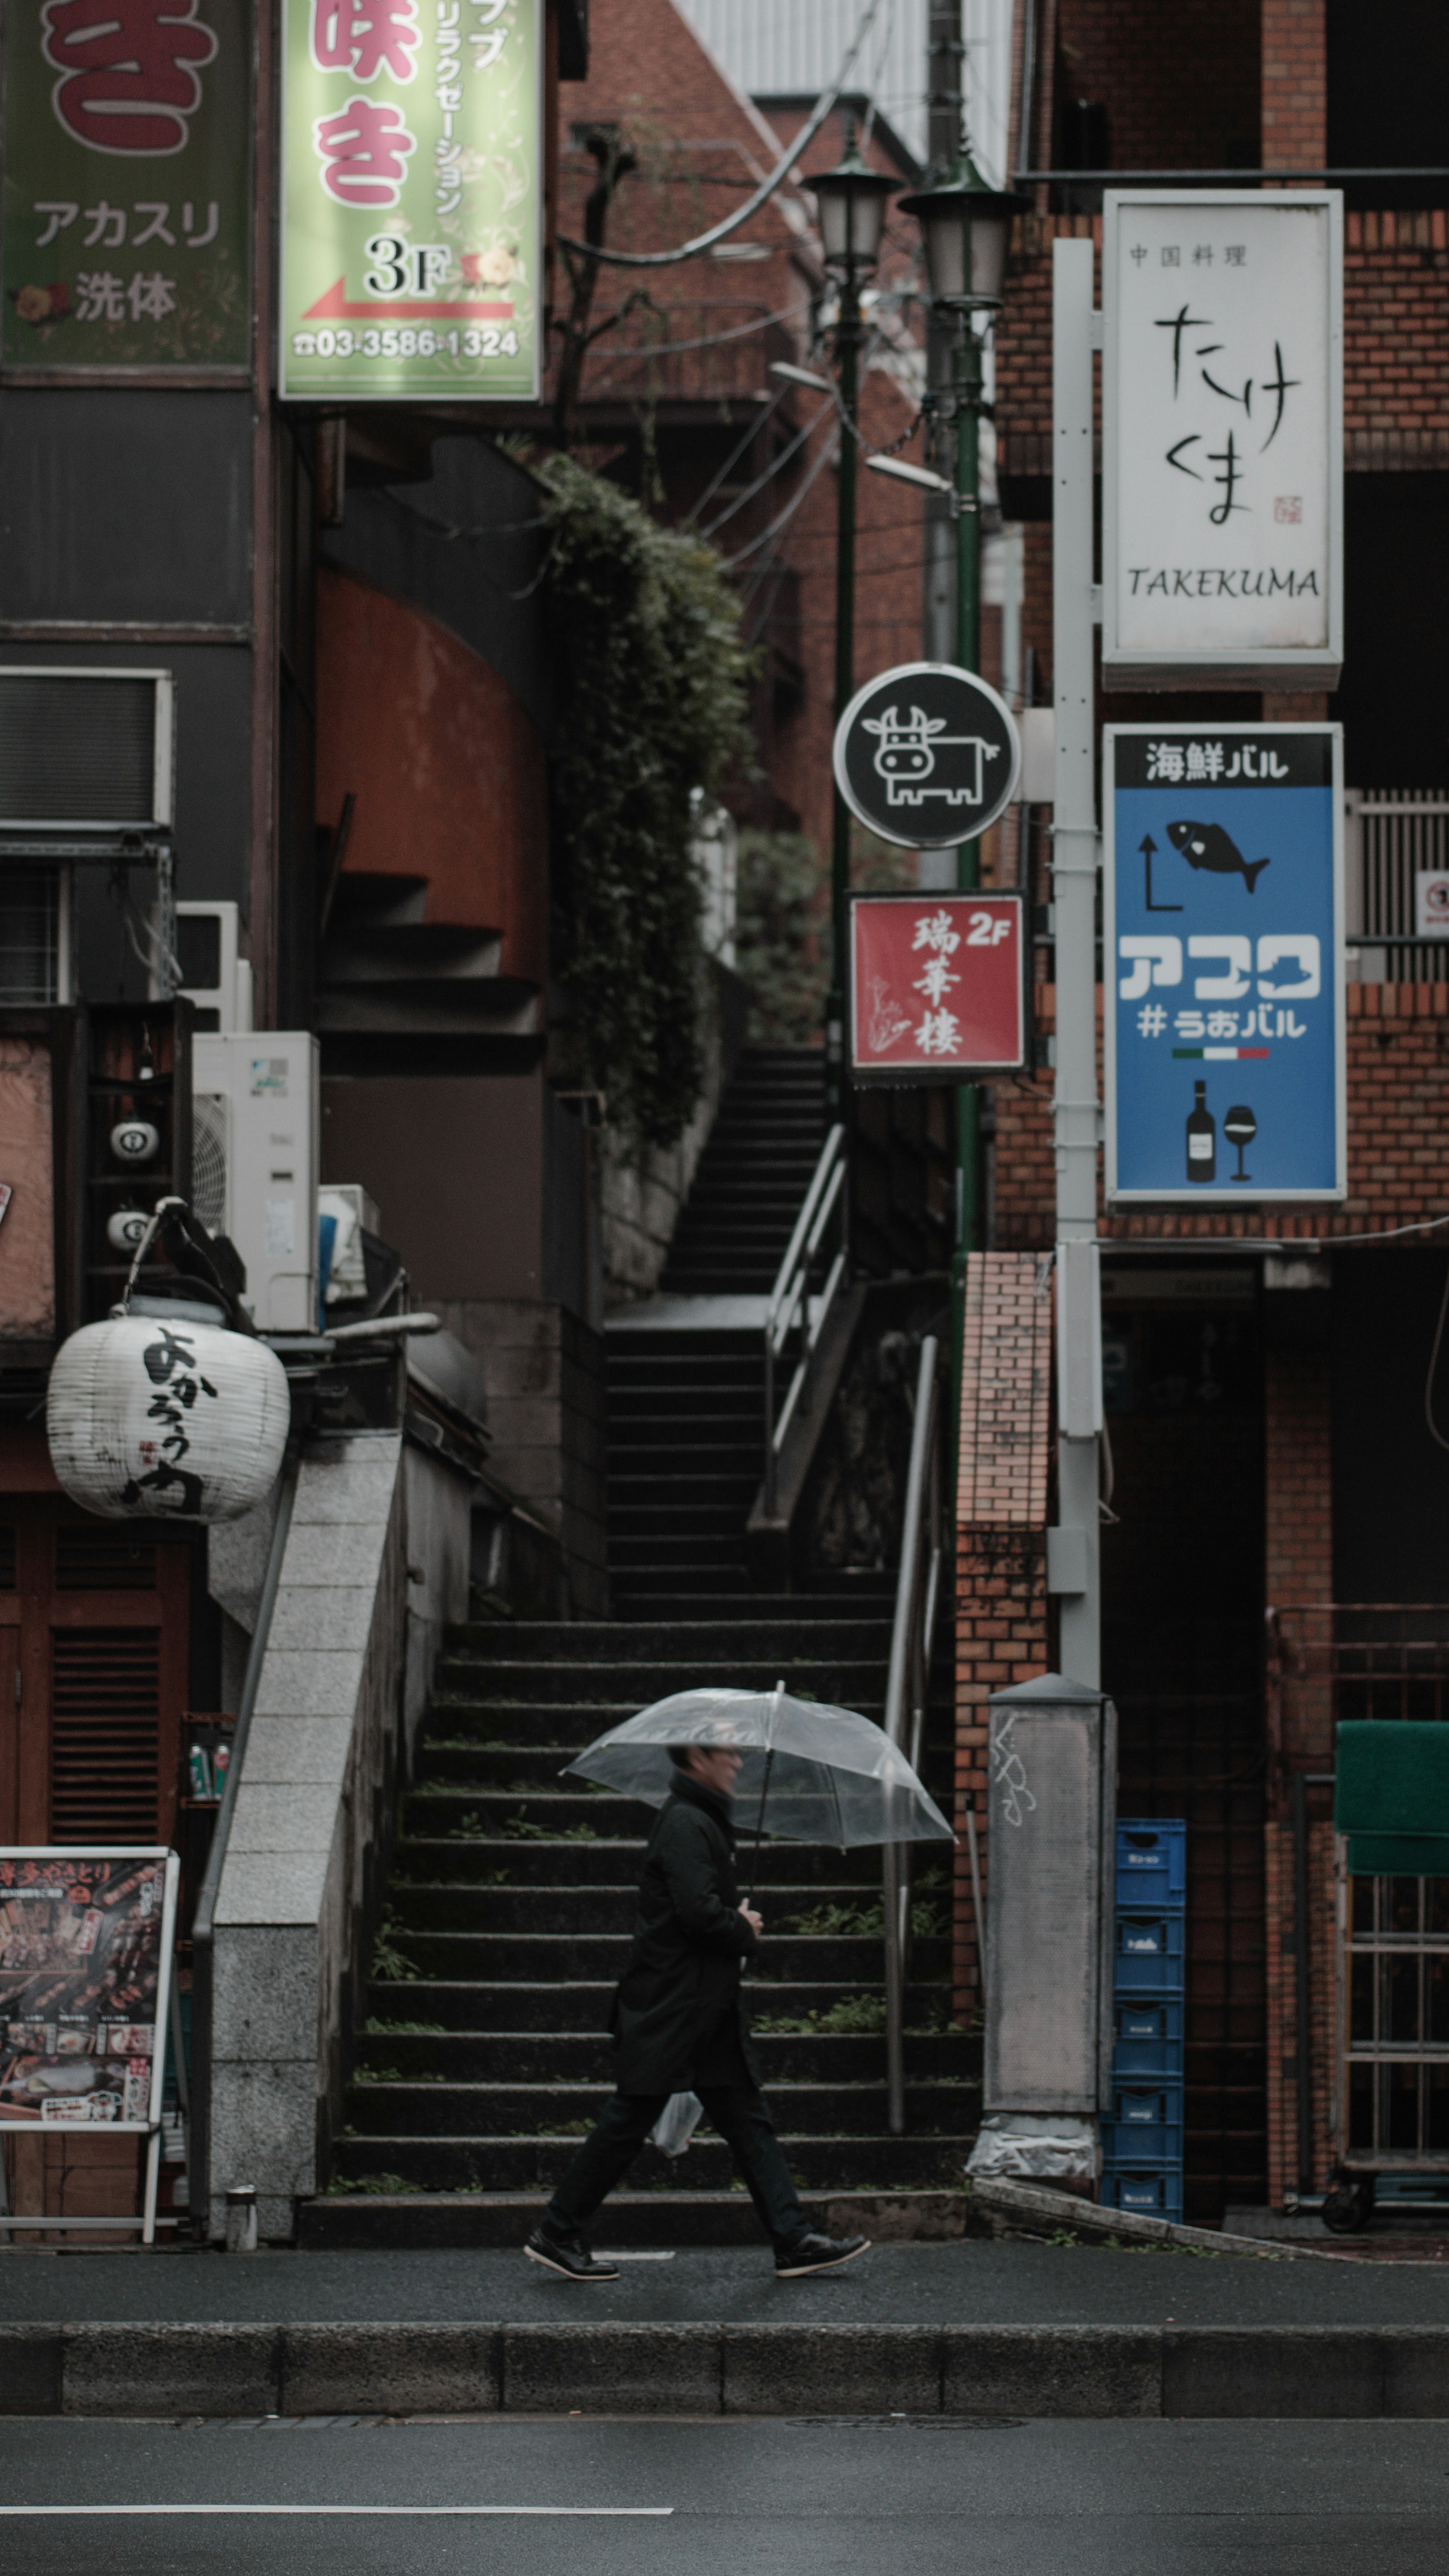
(753,1174)
(512,1894)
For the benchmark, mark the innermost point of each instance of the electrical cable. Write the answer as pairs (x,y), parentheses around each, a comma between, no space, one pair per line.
(1434,1431)
(752,431)
(787,514)
(775,466)
(767,187)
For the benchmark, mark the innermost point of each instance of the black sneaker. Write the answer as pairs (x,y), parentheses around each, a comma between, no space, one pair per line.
(817,2254)
(565,2251)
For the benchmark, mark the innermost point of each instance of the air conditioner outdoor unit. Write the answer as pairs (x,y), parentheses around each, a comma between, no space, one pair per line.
(215,977)
(255,1110)
(87,753)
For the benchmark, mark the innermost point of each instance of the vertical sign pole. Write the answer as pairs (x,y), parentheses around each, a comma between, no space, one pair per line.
(1077,1117)
(847,343)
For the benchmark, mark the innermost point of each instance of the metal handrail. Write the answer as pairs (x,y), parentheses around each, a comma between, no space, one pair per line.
(918,1592)
(791,1304)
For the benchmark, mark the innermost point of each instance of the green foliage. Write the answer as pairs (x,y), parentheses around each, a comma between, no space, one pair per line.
(383,2182)
(390,1963)
(782,898)
(854,2014)
(414,2029)
(653,705)
(865,1922)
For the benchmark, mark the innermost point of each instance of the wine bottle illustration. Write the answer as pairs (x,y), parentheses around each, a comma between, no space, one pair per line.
(1202,1137)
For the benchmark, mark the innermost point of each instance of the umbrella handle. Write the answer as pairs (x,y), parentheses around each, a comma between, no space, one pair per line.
(760,1824)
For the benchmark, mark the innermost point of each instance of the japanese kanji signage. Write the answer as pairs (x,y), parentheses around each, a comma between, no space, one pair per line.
(127,156)
(412,244)
(937,987)
(1222,413)
(1222,936)
(927,755)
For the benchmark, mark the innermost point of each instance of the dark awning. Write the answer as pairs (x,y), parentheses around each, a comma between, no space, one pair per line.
(1391,1796)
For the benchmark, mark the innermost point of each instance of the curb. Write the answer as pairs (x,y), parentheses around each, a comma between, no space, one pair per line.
(736,2370)
(1029,2209)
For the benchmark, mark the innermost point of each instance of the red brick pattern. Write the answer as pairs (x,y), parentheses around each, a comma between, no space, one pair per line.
(1297,1466)
(1180,93)
(1398,1137)
(1295,85)
(1001,1614)
(1396,348)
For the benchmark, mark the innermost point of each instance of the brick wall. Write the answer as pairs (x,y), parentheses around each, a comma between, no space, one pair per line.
(1396,348)
(1398,1136)
(1180,93)
(1295,85)
(1001,1509)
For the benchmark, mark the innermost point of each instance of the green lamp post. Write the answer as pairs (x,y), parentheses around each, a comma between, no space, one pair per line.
(851,203)
(966,228)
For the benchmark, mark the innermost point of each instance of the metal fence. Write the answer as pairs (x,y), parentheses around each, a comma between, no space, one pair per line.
(1391,833)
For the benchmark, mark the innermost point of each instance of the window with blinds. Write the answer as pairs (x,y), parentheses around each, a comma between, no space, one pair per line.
(105,1735)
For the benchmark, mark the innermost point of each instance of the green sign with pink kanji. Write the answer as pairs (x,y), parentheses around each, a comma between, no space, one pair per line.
(412,200)
(127,223)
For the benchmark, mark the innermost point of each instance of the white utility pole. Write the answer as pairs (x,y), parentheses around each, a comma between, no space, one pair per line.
(1073,1548)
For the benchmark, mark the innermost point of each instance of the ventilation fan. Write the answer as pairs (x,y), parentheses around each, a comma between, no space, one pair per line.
(208,1159)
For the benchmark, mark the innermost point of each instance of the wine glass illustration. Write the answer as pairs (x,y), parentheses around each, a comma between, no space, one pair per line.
(1240,1127)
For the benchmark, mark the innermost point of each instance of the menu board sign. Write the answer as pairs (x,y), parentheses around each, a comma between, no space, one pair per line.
(86,1941)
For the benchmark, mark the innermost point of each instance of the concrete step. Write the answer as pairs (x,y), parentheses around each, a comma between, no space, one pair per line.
(469,2004)
(556,2058)
(487,2163)
(551,1958)
(584,1908)
(446,2109)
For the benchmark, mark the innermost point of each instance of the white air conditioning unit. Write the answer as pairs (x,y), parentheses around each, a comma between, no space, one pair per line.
(86,752)
(215,976)
(255,1112)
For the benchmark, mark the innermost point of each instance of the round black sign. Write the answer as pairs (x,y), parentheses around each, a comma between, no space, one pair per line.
(927,755)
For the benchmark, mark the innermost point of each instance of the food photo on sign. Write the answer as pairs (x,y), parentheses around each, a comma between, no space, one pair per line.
(1223,941)
(85,1945)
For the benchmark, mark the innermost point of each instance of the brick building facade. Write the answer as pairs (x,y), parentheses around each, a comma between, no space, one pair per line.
(1267,1370)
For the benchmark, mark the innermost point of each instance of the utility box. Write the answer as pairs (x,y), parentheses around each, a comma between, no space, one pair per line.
(256,1157)
(1049,1903)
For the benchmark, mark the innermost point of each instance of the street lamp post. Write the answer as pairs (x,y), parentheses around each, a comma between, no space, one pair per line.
(966,226)
(851,201)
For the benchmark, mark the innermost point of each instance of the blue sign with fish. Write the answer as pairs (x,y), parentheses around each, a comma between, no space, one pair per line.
(1223,962)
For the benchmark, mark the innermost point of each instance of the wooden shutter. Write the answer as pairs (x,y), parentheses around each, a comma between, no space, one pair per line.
(105,1735)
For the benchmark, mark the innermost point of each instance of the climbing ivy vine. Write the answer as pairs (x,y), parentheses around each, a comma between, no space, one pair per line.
(653,703)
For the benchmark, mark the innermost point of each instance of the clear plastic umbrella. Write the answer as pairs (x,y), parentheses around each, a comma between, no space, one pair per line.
(827,1774)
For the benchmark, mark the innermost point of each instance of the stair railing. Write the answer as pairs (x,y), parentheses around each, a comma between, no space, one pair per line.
(792,1309)
(918,1592)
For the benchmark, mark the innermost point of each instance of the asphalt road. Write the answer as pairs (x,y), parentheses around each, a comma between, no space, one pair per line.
(973,2283)
(821,2498)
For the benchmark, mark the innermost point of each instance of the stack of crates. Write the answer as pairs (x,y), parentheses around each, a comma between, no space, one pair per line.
(1142,2134)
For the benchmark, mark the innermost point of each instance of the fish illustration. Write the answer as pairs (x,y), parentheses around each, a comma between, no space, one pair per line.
(1206,845)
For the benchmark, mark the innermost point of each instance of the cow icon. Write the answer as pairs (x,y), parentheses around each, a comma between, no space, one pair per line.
(906,758)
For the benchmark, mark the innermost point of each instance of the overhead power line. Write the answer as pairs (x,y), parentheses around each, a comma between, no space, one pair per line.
(767,187)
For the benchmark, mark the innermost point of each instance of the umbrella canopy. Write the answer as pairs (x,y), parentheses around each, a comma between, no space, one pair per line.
(831,1775)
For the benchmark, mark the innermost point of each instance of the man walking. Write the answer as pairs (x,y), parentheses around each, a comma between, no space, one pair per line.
(678,2024)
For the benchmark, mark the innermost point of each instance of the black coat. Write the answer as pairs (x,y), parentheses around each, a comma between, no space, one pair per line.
(681,1983)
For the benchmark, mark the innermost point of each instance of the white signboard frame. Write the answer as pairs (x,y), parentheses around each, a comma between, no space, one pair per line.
(148,1860)
(1244,346)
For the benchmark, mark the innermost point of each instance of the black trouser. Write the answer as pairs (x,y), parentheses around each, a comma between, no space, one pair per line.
(738,2112)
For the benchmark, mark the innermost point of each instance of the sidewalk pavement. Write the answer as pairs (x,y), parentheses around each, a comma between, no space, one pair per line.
(945,2330)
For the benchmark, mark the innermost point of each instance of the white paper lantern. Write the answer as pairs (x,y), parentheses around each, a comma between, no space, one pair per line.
(161,1418)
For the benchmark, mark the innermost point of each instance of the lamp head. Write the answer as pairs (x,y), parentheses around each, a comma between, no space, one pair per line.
(851,203)
(966,226)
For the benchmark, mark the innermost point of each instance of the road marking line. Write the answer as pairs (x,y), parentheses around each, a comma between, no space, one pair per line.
(635,2512)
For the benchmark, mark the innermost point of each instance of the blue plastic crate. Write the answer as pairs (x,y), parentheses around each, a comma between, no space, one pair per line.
(1147,2036)
(1153,2191)
(1152,1863)
(1150,1954)
(1146,2121)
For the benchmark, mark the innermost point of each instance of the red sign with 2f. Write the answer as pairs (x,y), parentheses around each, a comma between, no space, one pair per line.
(937,986)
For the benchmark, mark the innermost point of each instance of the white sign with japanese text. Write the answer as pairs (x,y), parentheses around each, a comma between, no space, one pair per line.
(1222,408)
